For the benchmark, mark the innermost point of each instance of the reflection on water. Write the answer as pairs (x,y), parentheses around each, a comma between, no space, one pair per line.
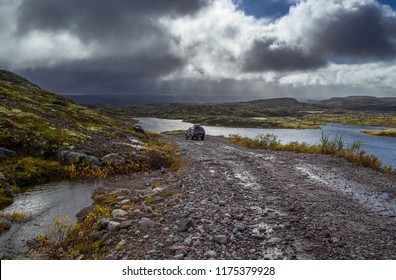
(382,147)
(44,203)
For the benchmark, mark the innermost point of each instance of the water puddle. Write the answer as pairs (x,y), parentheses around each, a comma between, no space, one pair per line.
(43,204)
(378,201)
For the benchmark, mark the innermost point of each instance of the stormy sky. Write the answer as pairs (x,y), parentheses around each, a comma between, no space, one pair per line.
(202,50)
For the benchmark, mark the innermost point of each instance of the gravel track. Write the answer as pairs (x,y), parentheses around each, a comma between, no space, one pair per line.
(234,203)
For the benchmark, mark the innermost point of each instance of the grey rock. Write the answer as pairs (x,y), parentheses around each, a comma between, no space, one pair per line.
(126,224)
(260,236)
(221,239)
(179,257)
(185,225)
(92,160)
(274,240)
(210,254)
(96,235)
(113,159)
(114,226)
(125,201)
(178,248)
(5,153)
(118,213)
(146,223)
(121,245)
(72,157)
(240,226)
(104,222)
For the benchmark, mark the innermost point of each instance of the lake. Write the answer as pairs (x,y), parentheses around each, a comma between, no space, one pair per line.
(382,147)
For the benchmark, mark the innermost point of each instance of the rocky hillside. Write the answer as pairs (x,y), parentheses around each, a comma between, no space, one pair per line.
(45,136)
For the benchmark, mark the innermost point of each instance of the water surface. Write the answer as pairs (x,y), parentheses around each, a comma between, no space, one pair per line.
(44,203)
(382,147)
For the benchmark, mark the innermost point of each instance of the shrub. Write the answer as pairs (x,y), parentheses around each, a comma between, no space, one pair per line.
(335,146)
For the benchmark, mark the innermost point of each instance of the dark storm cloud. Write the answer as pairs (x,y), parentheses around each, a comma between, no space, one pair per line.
(362,33)
(263,57)
(365,33)
(122,75)
(93,17)
(128,40)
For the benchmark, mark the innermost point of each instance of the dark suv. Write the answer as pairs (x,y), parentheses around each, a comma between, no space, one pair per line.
(196,132)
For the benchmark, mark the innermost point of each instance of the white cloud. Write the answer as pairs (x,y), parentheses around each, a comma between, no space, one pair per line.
(205,42)
(212,44)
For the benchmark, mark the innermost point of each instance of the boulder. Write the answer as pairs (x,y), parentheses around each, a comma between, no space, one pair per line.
(72,157)
(104,222)
(5,153)
(221,239)
(118,213)
(114,226)
(126,224)
(112,159)
(185,225)
(139,129)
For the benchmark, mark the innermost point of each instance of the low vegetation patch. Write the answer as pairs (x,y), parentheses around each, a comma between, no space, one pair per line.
(378,132)
(335,146)
(68,239)
(17,216)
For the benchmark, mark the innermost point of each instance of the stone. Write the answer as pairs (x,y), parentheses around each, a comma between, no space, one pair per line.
(121,245)
(118,213)
(96,235)
(260,236)
(146,223)
(274,240)
(114,226)
(112,159)
(185,225)
(125,201)
(104,222)
(126,224)
(221,239)
(210,254)
(179,257)
(5,153)
(222,203)
(2,177)
(240,226)
(178,248)
(72,157)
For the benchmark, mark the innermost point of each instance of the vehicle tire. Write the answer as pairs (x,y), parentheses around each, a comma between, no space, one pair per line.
(203,138)
(186,136)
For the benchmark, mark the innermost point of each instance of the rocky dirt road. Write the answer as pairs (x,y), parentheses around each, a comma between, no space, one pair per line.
(230,202)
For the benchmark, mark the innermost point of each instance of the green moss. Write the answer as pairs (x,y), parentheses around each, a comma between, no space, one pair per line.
(28,171)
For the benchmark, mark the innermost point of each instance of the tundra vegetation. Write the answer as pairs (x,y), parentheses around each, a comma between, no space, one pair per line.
(36,125)
(327,146)
(271,113)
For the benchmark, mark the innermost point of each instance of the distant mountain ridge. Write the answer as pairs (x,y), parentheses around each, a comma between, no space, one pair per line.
(360,103)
